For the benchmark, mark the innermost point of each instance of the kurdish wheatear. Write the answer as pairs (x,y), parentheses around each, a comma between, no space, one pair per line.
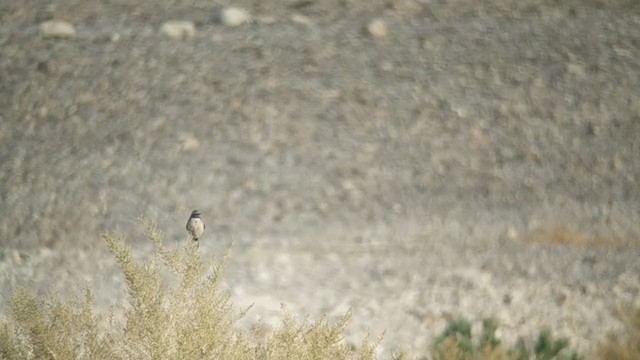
(195,226)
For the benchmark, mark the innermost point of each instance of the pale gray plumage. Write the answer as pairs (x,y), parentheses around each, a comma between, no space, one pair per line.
(195,226)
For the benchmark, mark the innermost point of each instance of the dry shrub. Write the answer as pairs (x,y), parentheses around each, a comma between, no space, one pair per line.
(193,319)
(564,235)
(176,309)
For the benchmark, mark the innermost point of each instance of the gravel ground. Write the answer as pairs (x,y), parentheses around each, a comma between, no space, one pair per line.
(411,160)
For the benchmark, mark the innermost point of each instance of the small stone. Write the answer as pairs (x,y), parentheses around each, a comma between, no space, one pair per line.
(232,16)
(386,66)
(17,259)
(267,20)
(188,142)
(577,70)
(43,112)
(377,28)
(250,185)
(178,29)
(302,20)
(57,29)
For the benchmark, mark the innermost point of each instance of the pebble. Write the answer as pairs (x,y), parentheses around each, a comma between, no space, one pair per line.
(188,142)
(43,112)
(178,29)
(302,20)
(377,28)
(232,16)
(267,20)
(57,29)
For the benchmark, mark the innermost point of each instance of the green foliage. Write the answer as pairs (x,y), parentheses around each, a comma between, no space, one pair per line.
(548,348)
(488,337)
(458,332)
(519,351)
(457,343)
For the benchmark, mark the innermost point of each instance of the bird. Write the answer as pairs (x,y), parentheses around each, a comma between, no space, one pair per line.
(195,226)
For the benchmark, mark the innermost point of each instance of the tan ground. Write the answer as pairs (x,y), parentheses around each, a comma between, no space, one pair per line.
(482,159)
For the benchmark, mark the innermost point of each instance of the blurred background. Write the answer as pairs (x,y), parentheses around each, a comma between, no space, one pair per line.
(412,160)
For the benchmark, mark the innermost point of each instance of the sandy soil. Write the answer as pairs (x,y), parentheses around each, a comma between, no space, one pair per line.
(479,160)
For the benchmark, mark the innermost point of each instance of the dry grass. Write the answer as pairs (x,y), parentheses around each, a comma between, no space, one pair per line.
(176,309)
(193,319)
(565,235)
